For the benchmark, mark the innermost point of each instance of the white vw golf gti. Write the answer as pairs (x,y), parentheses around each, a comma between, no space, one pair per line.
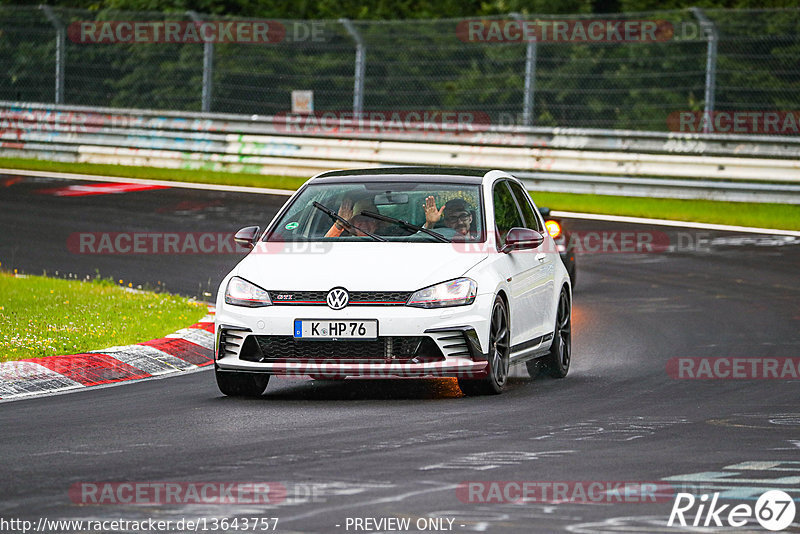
(396,272)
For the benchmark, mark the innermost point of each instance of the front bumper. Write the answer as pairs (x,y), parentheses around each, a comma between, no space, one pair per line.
(457,368)
(449,341)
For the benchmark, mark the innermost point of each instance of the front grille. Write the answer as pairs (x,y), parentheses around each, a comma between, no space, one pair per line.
(357,298)
(394,348)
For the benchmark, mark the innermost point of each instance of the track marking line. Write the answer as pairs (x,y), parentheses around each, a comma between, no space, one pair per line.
(669,222)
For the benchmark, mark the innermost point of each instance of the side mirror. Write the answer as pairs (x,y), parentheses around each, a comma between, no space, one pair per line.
(545,212)
(247,236)
(522,238)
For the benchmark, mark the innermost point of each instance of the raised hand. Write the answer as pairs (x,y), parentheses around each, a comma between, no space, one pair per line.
(345,211)
(432,214)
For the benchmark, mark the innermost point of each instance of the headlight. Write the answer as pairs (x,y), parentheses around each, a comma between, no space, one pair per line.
(459,292)
(240,292)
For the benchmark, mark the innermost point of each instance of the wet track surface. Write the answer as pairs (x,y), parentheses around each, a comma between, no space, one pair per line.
(401,448)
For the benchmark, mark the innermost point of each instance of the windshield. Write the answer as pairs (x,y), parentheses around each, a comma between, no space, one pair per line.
(383,211)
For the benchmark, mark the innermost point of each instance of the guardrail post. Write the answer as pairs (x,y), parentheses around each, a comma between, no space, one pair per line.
(711,65)
(361,52)
(61,45)
(530,77)
(208,65)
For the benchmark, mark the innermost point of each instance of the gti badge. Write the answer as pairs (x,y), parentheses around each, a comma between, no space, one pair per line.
(337,298)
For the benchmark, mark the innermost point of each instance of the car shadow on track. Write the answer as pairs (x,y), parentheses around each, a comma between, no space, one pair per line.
(299,389)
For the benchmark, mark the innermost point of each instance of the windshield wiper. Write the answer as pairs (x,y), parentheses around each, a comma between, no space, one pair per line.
(407,225)
(347,224)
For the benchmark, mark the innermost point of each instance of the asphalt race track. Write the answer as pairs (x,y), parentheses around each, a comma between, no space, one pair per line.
(407,449)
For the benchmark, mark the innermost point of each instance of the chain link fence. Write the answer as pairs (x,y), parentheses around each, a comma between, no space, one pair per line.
(721,60)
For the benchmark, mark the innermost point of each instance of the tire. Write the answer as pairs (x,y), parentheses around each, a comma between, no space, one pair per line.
(499,350)
(557,361)
(573,276)
(235,384)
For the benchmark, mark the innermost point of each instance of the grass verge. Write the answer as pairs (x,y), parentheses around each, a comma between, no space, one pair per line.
(154,173)
(780,216)
(42,316)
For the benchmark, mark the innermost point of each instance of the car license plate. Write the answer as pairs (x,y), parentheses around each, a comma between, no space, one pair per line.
(332,329)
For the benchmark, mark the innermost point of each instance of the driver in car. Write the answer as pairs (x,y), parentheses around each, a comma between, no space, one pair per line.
(456,212)
(367,223)
(351,212)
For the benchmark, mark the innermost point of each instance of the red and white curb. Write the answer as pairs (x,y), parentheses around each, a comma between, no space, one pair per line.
(185,350)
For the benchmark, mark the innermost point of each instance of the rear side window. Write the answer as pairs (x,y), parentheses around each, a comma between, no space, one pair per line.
(523,199)
(506,214)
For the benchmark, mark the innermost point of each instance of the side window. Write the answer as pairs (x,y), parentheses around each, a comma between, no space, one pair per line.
(531,220)
(506,214)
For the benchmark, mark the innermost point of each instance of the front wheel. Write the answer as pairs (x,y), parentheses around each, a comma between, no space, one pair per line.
(556,363)
(499,350)
(236,384)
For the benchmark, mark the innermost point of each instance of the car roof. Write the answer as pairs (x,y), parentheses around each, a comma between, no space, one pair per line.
(404,174)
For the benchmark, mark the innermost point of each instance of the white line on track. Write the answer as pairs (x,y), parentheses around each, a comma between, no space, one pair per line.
(668,222)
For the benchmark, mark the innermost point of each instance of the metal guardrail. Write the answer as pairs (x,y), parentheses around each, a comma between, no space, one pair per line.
(718,167)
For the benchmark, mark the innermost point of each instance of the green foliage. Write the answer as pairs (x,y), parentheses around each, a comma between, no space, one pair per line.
(224,177)
(400,9)
(330,9)
(46,317)
(414,63)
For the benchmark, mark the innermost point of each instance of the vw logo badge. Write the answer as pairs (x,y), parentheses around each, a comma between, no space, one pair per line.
(337,298)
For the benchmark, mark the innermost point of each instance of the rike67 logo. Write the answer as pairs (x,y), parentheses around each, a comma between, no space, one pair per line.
(774,510)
